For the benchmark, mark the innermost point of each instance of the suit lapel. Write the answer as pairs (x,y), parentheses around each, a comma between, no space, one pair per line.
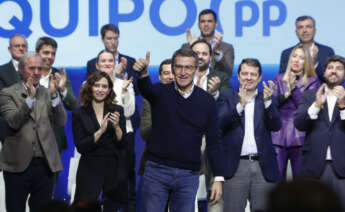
(38,104)
(258,109)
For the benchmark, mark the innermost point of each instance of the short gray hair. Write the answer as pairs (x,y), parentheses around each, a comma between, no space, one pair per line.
(26,56)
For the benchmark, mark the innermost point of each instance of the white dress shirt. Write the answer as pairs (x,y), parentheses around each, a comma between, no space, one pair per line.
(15,64)
(249,144)
(203,82)
(313,112)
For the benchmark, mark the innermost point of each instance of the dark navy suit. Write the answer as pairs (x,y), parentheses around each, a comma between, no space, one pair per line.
(322,133)
(247,179)
(323,54)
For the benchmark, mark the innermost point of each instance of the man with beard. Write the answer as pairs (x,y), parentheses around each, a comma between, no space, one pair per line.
(305,31)
(223,57)
(213,82)
(321,114)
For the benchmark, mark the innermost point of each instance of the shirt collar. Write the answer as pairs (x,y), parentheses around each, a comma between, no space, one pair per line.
(183,93)
(15,64)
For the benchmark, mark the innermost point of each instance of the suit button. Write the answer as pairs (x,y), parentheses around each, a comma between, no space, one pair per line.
(34,127)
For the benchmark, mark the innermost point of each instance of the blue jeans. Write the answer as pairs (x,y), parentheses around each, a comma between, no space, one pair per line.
(160,181)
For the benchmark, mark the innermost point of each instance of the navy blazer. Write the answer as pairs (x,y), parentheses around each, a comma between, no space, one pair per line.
(232,130)
(324,53)
(320,134)
(8,75)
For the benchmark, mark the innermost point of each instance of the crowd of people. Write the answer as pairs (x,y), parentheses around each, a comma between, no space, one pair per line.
(193,122)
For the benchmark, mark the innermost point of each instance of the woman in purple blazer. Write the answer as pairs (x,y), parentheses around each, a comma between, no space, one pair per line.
(289,87)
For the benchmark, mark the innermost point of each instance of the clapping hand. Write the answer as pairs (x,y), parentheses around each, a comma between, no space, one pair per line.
(268,90)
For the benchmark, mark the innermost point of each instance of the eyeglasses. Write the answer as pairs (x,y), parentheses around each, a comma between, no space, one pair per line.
(188,69)
(17,46)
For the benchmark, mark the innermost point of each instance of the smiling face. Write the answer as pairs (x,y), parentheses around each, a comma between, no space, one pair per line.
(334,74)
(249,77)
(203,52)
(106,63)
(47,53)
(297,60)
(100,90)
(184,70)
(166,76)
(305,30)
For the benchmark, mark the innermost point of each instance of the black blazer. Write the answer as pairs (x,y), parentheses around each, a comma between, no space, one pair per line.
(320,134)
(8,75)
(105,158)
(232,130)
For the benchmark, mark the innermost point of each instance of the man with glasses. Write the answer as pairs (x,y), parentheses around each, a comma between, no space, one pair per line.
(9,71)
(174,150)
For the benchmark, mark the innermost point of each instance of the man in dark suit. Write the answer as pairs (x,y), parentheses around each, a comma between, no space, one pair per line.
(223,57)
(214,82)
(321,114)
(246,120)
(9,71)
(305,31)
(46,47)
(110,38)
(30,155)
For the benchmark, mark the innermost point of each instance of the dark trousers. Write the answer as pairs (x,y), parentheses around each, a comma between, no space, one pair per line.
(162,183)
(330,177)
(37,180)
(131,174)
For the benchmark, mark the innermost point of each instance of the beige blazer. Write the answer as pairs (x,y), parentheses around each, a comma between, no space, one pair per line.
(26,126)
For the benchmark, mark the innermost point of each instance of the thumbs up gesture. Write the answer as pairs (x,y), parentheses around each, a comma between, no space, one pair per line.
(141,65)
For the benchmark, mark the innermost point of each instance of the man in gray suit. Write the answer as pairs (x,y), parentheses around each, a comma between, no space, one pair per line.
(30,154)
(223,57)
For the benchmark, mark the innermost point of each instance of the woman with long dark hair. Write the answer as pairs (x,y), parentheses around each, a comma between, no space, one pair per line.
(98,129)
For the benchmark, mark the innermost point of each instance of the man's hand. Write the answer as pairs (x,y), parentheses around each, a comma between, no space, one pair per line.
(321,95)
(218,37)
(141,65)
(244,95)
(216,192)
(190,39)
(52,86)
(61,79)
(268,90)
(339,92)
(213,84)
(31,88)
(120,68)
